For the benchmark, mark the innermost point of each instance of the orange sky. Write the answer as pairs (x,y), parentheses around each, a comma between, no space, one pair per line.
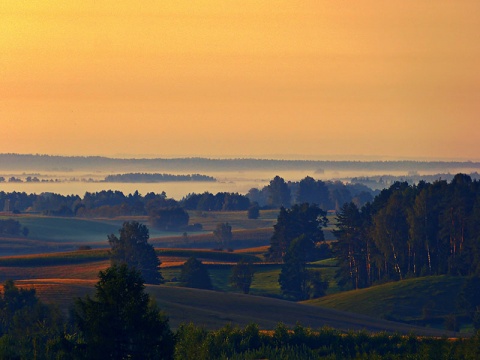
(313,78)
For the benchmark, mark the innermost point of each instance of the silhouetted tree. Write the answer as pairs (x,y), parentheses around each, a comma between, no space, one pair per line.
(223,234)
(28,328)
(132,248)
(242,276)
(303,219)
(313,192)
(278,193)
(253,211)
(195,274)
(295,280)
(121,321)
(168,218)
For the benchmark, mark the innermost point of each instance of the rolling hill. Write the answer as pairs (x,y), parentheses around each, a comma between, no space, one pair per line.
(213,309)
(423,301)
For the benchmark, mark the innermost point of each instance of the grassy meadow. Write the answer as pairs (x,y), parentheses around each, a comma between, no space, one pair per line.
(425,301)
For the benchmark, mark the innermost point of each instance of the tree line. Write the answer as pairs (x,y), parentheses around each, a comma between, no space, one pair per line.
(410,231)
(110,203)
(149,177)
(30,162)
(328,195)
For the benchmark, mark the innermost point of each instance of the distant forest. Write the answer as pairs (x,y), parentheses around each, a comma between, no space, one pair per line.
(116,178)
(25,162)
(108,203)
(153,178)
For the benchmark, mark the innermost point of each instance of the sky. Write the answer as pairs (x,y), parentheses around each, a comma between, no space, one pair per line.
(295,79)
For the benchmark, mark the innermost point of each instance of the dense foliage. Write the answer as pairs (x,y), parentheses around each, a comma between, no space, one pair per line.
(109,203)
(121,322)
(28,328)
(295,241)
(222,201)
(304,219)
(148,177)
(411,230)
(242,275)
(132,249)
(296,281)
(170,219)
(223,235)
(195,274)
(253,211)
(11,227)
(300,343)
(329,195)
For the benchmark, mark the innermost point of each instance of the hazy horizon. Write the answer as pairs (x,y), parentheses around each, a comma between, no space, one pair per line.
(311,79)
(299,157)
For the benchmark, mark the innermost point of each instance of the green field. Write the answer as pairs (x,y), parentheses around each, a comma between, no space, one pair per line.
(424,301)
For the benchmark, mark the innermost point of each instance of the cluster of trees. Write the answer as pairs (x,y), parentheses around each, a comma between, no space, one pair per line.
(147,178)
(11,227)
(109,203)
(168,218)
(328,195)
(409,231)
(222,201)
(28,328)
(131,248)
(298,343)
(195,274)
(223,235)
(295,241)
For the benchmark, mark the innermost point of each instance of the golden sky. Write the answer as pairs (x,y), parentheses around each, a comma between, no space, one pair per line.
(312,78)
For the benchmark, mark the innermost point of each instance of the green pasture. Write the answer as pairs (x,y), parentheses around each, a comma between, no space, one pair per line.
(265,280)
(60,229)
(424,301)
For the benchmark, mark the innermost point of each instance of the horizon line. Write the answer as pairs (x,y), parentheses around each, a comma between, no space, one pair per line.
(291,157)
